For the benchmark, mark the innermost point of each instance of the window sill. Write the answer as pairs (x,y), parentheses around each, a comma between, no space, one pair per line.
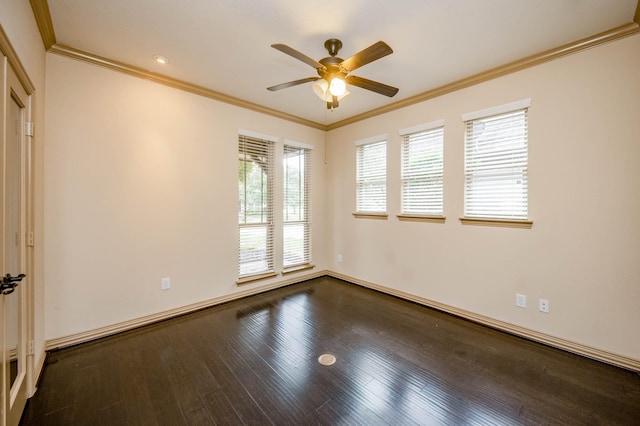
(364,215)
(297,268)
(421,218)
(251,278)
(504,223)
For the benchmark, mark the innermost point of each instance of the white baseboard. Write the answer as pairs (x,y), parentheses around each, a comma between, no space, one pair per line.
(557,342)
(98,333)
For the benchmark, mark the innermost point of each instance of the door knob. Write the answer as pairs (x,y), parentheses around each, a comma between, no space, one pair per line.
(10,283)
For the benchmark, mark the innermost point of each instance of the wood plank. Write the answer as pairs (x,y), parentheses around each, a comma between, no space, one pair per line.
(254,361)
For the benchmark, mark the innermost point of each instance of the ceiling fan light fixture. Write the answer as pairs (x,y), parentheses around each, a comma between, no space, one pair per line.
(337,87)
(321,89)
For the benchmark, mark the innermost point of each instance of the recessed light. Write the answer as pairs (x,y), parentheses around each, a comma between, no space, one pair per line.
(160,59)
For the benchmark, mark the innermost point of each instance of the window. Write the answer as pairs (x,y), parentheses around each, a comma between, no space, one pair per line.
(255,208)
(371,175)
(422,170)
(296,205)
(496,162)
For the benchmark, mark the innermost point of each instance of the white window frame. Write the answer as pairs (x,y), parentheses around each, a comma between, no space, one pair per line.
(496,163)
(371,176)
(297,213)
(422,171)
(256,265)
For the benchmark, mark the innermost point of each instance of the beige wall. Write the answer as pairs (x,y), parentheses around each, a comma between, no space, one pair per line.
(17,21)
(141,184)
(583,252)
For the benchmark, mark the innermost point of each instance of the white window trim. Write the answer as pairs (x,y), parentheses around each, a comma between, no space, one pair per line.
(496,110)
(485,113)
(307,220)
(256,135)
(270,272)
(421,128)
(408,132)
(372,139)
(296,144)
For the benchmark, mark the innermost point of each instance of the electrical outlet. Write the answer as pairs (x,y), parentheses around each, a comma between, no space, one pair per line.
(521,300)
(543,305)
(339,258)
(165,283)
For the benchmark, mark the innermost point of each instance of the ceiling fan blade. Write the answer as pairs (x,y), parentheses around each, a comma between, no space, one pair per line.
(374,86)
(292,83)
(370,54)
(298,55)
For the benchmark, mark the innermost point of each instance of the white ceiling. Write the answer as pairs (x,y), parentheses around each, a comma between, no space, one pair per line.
(224,45)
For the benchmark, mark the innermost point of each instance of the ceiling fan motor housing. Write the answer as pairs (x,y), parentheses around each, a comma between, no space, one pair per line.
(331,68)
(332,63)
(333,45)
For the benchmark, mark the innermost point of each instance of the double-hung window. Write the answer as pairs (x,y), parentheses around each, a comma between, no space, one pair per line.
(296,236)
(255,207)
(496,163)
(371,175)
(422,170)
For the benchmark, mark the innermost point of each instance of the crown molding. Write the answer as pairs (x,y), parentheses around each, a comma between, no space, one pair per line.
(43,20)
(42,16)
(45,25)
(512,67)
(93,59)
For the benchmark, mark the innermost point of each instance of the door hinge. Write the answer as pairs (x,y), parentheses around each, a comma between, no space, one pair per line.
(30,239)
(31,348)
(29,130)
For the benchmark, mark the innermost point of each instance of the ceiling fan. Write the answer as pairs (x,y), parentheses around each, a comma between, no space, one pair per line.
(334,71)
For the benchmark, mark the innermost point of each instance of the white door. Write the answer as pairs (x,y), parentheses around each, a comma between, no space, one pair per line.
(13,300)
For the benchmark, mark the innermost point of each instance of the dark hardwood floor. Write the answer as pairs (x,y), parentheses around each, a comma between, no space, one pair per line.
(254,361)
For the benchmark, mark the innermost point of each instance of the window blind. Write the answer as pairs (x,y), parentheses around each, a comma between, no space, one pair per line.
(496,162)
(255,207)
(371,177)
(296,206)
(422,172)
